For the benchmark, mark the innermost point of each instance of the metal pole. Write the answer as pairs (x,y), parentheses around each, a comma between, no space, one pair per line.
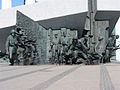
(36,1)
(24,2)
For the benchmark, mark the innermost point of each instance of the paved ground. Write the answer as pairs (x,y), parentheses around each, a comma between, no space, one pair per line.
(64,77)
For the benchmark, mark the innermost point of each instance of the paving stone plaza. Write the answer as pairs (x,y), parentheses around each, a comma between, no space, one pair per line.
(64,77)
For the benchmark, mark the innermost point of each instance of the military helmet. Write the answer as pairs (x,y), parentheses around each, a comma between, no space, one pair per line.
(13,31)
(117,36)
(86,35)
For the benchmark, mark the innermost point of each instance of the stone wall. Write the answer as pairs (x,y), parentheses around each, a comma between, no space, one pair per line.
(36,32)
(101,31)
(70,34)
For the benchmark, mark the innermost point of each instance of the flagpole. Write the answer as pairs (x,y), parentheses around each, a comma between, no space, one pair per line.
(24,2)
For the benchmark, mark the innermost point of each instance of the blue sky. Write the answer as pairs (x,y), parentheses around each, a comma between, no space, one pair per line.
(0,4)
(17,2)
(14,3)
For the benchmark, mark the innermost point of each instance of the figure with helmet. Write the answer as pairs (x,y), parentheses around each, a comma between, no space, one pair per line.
(11,46)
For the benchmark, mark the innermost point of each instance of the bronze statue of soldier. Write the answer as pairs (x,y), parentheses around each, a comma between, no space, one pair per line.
(11,47)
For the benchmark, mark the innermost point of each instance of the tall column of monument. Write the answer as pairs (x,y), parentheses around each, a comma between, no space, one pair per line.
(98,29)
(92,8)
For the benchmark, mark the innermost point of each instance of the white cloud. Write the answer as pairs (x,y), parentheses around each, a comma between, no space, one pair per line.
(6,4)
(29,1)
